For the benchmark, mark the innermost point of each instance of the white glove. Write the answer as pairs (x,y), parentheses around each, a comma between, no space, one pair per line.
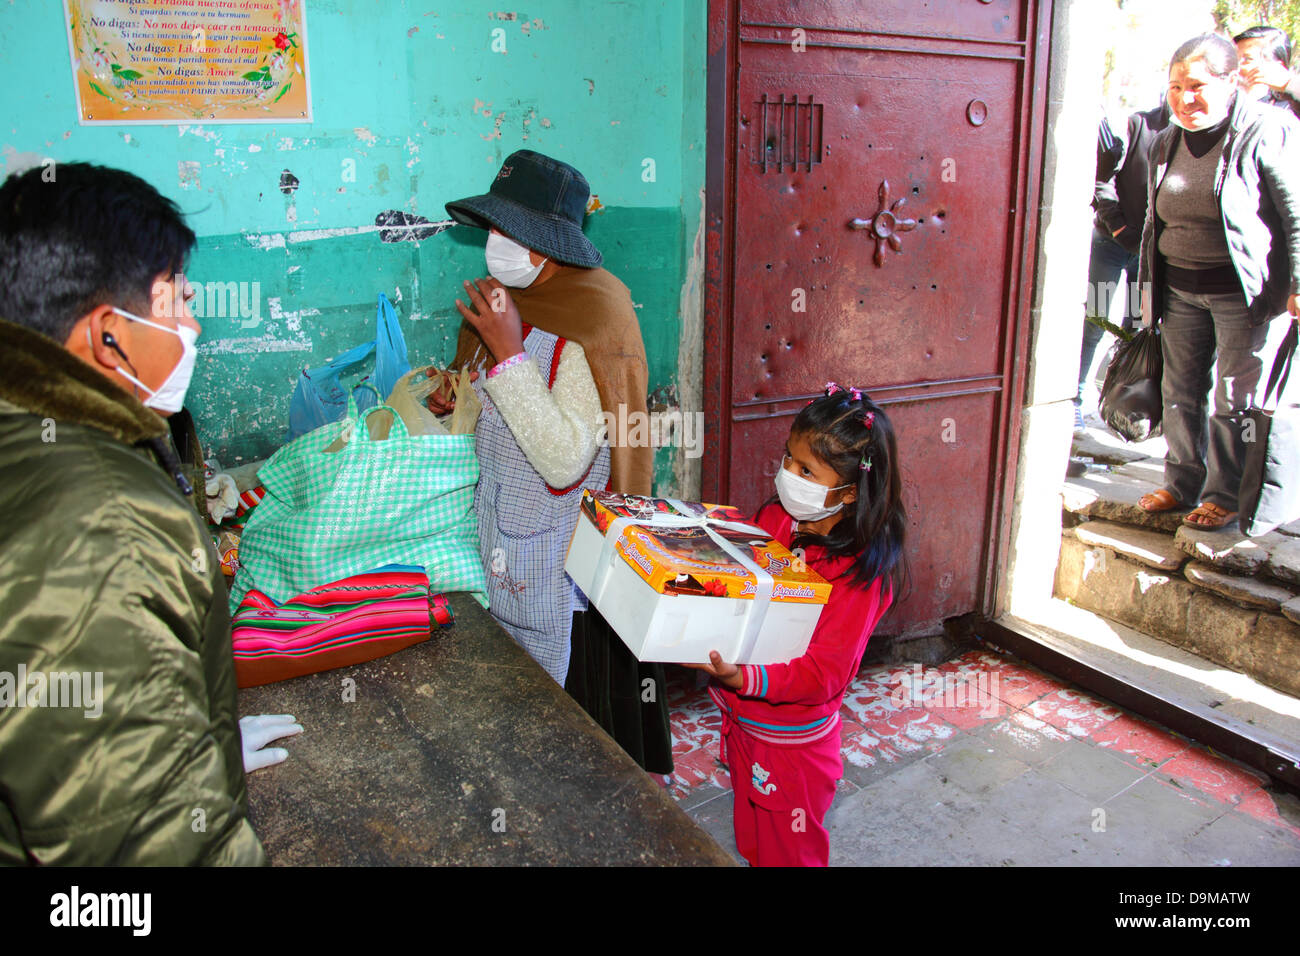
(223,497)
(256,732)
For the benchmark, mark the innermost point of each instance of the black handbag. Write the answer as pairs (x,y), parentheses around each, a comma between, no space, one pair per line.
(1130,395)
(1270,475)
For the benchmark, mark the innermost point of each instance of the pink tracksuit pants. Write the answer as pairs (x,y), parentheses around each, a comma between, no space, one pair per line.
(782,795)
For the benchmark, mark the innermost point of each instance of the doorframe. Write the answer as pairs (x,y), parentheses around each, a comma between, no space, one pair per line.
(720,198)
(719,241)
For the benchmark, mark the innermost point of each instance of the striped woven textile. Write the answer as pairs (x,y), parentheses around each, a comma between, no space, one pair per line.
(248,500)
(338,624)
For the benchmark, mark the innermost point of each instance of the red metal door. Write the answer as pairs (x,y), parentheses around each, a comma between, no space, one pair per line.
(869,181)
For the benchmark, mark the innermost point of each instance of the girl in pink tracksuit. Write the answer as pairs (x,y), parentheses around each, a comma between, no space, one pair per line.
(839,498)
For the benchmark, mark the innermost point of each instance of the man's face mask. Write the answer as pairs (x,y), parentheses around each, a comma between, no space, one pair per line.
(170,395)
(508,262)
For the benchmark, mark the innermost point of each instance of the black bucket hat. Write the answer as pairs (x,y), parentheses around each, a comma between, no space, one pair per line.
(537,201)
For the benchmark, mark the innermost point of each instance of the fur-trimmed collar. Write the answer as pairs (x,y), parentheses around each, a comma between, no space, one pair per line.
(42,377)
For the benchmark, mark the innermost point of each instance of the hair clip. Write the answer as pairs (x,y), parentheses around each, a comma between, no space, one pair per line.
(856,393)
(865,463)
(869,419)
(831,389)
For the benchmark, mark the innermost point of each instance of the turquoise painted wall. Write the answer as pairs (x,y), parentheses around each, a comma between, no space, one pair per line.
(412,108)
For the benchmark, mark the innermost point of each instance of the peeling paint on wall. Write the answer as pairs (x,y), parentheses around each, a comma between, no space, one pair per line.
(212,136)
(417,224)
(496,127)
(690,356)
(249,345)
(274,240)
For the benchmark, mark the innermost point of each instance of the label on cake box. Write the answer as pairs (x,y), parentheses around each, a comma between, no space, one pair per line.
(669,548)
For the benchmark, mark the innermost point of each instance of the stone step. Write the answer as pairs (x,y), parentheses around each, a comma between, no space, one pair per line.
(1284,560)
(1291,610)
(1187,609)
(1088,444)
(1244,591)
(1155,549)
(1230,550)
(1112,494)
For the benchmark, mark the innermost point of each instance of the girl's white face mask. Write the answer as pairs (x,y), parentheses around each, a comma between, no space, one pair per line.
(170,396)
(804,500)
(508,262)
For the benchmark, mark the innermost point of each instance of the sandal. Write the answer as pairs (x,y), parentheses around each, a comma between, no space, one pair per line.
(1159,500)
(1210,517)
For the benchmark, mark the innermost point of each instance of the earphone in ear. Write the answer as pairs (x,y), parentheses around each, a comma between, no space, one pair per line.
(108,340)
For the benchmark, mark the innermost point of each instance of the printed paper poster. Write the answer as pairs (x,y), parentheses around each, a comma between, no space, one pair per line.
(183,61)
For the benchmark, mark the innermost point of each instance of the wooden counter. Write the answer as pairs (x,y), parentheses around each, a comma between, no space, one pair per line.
(459,751)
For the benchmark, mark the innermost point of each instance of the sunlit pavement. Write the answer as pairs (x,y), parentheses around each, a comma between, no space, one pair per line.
(987,761)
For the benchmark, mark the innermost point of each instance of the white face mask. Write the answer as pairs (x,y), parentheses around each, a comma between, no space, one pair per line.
(508,262)
(170,396)
(802,499)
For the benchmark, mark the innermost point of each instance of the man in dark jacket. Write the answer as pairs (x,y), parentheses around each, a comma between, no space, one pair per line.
(119,742)
(1264,58)
(1120,201)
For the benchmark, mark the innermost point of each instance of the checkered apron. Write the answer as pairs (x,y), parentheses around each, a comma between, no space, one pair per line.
(524,529)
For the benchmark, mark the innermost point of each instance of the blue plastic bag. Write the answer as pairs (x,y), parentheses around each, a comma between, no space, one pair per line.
(319,397)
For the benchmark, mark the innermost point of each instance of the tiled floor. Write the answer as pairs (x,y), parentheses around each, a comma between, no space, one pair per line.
(985,760)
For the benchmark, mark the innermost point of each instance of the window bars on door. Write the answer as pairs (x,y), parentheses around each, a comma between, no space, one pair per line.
(788,134)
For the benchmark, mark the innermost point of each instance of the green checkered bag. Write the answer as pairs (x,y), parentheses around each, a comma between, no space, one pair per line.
(368,501)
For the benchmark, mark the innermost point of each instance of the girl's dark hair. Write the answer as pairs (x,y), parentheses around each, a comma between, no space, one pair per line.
(74,236)
(1219,53)
(854,437)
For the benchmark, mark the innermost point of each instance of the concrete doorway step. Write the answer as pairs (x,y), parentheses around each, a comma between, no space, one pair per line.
(1231,712)
(1197,630)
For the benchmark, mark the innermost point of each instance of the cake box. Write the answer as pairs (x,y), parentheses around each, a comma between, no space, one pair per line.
(676,580)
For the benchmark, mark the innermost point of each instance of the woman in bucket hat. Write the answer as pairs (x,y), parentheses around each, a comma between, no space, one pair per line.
(562,348)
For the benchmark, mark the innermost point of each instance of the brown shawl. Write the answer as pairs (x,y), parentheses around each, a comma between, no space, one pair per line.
(593,308)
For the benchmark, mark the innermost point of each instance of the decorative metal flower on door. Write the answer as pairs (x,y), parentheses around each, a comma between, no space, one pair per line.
(886,224)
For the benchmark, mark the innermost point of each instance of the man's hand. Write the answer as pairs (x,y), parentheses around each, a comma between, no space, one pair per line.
(1293,306)
(496,317)
(256,732)
(728,674)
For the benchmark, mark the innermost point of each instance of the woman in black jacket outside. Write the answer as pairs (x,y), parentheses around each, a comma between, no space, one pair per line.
(1219,263)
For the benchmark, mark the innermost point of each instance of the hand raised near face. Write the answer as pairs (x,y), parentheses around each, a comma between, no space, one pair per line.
(495,316)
